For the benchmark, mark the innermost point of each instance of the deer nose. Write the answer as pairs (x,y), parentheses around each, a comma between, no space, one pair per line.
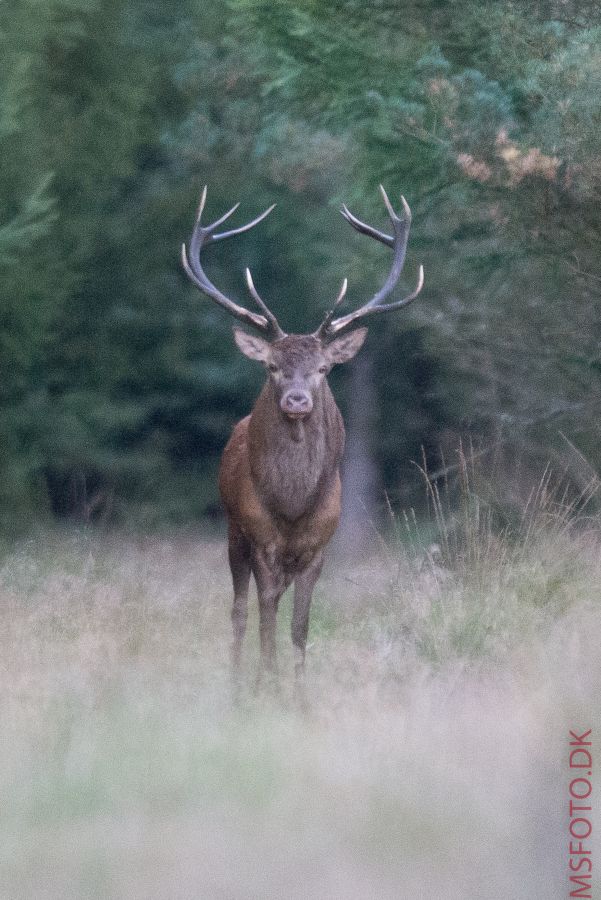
(296,403)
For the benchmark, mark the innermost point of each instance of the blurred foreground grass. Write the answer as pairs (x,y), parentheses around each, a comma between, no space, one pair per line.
(432,761)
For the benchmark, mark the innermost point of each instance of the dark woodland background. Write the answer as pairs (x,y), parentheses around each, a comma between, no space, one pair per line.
(120,383)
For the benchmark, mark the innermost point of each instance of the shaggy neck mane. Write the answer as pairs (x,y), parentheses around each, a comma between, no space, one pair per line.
(293,461)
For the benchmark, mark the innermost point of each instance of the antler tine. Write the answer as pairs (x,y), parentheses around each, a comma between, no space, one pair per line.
(203,235)
(262,306)
(201,205)
(243,228)
(323,328)
(400,224)
(223,218)
(363,228)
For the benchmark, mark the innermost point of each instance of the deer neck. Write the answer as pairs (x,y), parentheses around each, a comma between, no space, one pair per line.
(293,461)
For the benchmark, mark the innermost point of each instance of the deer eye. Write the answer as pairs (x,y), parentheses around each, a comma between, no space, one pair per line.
(322,369)
(272,367)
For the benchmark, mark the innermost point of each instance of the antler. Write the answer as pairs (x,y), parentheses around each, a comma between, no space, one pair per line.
(201,236)
(330,327)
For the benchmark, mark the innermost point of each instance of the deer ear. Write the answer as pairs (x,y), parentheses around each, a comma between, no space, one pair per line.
(344,348)
(251,346)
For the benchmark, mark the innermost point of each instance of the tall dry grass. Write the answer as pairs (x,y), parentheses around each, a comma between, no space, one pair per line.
(443,678)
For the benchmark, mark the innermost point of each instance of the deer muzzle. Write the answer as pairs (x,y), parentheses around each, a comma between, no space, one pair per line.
(296,404)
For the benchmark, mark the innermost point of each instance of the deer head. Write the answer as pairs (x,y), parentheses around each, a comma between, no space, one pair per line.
(297,364)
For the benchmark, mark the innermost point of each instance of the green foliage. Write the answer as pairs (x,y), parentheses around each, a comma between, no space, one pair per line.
(120,384)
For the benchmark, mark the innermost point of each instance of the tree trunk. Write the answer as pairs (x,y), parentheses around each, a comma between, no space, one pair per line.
(360,478)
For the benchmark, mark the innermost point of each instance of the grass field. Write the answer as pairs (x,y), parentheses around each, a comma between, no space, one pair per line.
(431,763)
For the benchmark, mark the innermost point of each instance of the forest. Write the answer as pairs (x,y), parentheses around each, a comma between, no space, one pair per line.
(120,383)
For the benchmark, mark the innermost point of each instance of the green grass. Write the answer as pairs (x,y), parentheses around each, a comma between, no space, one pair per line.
(431,762)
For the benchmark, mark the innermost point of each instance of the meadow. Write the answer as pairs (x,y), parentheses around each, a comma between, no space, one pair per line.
(431,760)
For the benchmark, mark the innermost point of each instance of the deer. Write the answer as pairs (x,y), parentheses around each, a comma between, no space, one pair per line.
(279,477)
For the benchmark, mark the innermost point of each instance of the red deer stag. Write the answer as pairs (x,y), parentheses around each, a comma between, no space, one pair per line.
(279,477)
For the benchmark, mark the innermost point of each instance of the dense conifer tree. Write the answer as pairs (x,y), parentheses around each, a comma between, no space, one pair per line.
(120,383)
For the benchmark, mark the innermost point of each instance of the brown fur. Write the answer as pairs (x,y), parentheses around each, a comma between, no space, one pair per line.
(280,484)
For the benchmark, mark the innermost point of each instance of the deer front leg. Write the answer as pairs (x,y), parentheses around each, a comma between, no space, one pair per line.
(269,575)
(239,557)
(303,592)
